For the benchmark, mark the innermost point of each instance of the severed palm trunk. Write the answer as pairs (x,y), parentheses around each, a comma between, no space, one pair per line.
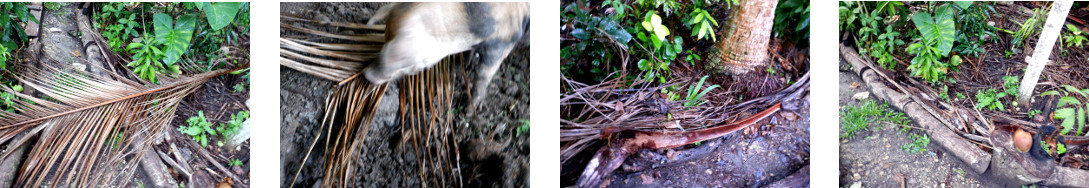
(745,36)
(92,129)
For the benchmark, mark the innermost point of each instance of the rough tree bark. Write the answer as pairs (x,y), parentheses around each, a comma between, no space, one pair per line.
(1055,20)
(744,44)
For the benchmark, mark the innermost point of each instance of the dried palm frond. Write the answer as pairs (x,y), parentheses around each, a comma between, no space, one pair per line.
(78,115)
(426,99)
(609,104)
(333,61)
(348,107)
(424,103)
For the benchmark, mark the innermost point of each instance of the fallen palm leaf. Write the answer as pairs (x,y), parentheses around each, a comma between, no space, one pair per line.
(625,117)
(77,116)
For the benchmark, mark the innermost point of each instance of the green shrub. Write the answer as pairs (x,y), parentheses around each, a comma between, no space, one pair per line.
(1073,37)
(937,33)
(1028,29)
(990,99)
(11,30)
(199,128)
(231,127)
(1070,109)
(973,29)
(235,162)
(696,92)
(918,144)
(795,15)
(704,24)
(592,35)
(855,119)
(118,25)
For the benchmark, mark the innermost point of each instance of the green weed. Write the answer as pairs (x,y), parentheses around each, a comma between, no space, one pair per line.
(918,144)
(1070,109)
(854,119)
(199,128)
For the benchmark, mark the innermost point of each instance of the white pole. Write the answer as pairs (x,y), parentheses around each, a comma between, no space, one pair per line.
(1036,63)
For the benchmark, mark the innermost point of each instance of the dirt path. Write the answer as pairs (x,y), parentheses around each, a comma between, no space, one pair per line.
(874,158)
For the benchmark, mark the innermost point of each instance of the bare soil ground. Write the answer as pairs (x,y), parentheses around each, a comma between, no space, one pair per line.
(874,158)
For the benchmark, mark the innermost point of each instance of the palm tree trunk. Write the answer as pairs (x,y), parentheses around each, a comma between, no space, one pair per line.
(745,36)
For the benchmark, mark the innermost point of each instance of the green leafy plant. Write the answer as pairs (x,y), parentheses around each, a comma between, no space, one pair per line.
(242,86)
(11,30)
(7,100)
(149,59)
(667,6)
(593,36)
(524,128)
(973,28)
(660,51)
(118,25)
(1074,36)
(881,49)
(1011,83)
(990,99)
(173,36)
(654,30)
(691,58)
(11,25)
(235,162)
(231,127)
(696,93)
(1028,29)
(1060,148)
(145,59)
(937,32)
(1070,109)
(199,128)
(854,119)
(848,13)
(219,14)
(795,15)
(1033,113)
(918,144)
(704,24)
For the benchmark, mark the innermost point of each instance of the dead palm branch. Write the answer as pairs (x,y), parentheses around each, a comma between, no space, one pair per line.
(610,106)
(425,101)
(91,129)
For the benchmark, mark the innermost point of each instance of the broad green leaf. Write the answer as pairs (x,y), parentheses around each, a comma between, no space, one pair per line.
(1073,89)
(1068,100)
(618,33)
(697,16)
(220,14)
(174,36)
(939,27)
(1064,113)
(963,4)
(580,34)
(1049,93)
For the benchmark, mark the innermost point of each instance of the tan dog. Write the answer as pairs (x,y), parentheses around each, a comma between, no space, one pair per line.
(418,35)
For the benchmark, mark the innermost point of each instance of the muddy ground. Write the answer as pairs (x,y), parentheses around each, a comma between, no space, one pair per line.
(506,107)
(874,158)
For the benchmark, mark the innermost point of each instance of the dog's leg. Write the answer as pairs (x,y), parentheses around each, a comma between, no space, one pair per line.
(491,56)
